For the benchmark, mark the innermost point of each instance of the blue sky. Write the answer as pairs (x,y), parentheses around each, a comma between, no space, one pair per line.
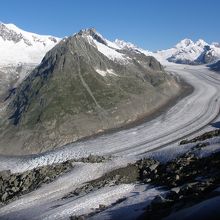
(151,24)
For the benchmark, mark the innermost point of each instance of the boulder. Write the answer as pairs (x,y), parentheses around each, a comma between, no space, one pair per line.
(176,190)
(5,175)
(4,197)
(158,200)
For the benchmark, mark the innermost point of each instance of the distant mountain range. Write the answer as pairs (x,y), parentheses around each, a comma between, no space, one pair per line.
(189,52)
(19,46)
(185,52)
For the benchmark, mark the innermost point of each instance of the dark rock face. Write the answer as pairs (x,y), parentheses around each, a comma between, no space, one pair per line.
(14,185)
(206,56)
(66,98)
(215,66)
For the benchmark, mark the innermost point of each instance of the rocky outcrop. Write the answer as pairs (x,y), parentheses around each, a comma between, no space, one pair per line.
(188,180)
(215,66)
(125,175)
(13,185)
(202,137)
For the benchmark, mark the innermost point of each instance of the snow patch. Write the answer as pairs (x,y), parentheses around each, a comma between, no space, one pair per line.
(135,204)
(106,72)
(105,196)
(108,52)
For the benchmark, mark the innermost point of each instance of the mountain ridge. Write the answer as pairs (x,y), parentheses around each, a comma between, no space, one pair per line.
(19,46)
(20,42)
(190,52)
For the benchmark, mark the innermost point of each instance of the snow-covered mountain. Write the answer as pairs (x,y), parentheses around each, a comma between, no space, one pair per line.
(20,52)
(185,52)
(18,46)
(189,52)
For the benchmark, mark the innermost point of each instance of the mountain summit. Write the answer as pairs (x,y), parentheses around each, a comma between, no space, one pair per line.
(20,52)
(189,52)
(84,85)
(19,46)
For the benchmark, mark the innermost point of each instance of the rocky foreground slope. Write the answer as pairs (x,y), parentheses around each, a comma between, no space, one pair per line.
(187,180)
(84,85)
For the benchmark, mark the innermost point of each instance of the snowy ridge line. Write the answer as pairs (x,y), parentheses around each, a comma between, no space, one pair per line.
(109,49)
(19,46)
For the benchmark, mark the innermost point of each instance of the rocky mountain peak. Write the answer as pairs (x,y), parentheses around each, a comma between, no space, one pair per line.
(94,34)
(87,31)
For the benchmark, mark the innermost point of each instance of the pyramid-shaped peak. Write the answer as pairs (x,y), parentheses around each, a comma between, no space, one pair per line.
(88,31)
